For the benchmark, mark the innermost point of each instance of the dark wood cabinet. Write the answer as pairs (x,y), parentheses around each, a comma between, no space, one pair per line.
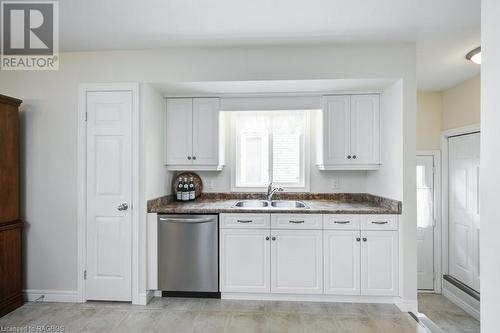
(11,225)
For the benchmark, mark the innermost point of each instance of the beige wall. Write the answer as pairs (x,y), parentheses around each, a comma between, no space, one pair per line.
(462,104)
(438,111)
(429,114)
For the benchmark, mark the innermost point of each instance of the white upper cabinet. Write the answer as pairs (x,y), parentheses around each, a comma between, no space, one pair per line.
(365,129)
(179,130)
(336,138)
(195,134)
(349,133)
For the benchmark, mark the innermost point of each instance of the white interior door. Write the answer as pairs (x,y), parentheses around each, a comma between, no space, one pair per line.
(463,176)
(109,191)
(425,221)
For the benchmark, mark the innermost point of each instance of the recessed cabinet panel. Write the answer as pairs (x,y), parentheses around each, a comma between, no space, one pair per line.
(179,130)
(379,262)
(365,120)
(337,127)
(205,128)
(244,260)
(296,261)
(342,262)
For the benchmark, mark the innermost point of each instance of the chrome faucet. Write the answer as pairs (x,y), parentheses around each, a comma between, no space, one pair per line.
(271,190)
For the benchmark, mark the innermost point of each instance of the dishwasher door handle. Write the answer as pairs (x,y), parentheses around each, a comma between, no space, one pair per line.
(177,220)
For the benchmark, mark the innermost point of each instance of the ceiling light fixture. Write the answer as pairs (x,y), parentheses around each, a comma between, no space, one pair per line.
(474,55)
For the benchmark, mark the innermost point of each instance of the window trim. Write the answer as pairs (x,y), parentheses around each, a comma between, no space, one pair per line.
(306,153)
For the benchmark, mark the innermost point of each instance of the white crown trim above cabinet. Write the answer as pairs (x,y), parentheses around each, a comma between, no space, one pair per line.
(323,256)
(348,133)
(194,134)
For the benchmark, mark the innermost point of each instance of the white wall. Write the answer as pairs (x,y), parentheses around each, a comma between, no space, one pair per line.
(490,164)
(153,173)
(49,124)
(396,177)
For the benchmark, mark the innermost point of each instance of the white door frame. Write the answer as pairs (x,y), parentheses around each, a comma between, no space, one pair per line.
(436,154)
(82,181)
(445,135)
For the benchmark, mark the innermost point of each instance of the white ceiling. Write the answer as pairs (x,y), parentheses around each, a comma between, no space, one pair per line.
(444,29)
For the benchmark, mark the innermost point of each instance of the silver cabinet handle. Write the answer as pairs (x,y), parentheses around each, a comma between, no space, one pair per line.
(297,222)
(341,222)
(181,220)
(194,157)
(364,239)
(267,237)
(122,207)
(189,157)
(379,222)
(273,238)
(358,239)
(244,221)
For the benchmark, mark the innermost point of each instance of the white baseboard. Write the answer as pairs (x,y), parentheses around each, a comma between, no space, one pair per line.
(144,298)
(65,296)
(407,305)
(310,298)
(462,300)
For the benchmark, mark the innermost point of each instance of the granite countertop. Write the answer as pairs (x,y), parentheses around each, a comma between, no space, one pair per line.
(213,203)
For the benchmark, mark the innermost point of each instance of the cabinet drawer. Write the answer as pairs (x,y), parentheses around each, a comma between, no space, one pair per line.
(379,222)
(296,221)
(248,221)
(341,222)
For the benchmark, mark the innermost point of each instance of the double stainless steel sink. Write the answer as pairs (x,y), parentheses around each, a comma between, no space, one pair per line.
(271,204)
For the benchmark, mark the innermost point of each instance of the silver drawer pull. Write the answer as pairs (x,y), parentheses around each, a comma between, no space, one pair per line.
(244,221)
(291,221)
(380,222)
(341,222)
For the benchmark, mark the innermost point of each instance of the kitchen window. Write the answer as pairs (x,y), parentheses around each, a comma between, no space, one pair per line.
(270,146)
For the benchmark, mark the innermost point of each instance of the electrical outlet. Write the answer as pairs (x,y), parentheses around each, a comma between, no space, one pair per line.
(335,183)
(211,184)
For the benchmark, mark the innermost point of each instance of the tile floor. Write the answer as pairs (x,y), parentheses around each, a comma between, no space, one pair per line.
(196,315)
(446,315)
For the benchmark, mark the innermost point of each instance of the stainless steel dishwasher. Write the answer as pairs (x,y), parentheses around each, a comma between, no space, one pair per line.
(188,255)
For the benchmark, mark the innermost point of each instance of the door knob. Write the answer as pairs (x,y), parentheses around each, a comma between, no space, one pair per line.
(123,206)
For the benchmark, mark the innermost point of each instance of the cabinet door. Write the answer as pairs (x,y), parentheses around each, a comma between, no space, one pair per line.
(342,262)
(179,131)
(365,128)
(244,260)
(296,261)
(336,134)
(379,263)
(206,131)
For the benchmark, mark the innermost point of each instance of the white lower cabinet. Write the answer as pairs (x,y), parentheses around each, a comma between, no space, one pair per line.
(342,262)
(245,260)
(333,261)
(296,265)
(379,263)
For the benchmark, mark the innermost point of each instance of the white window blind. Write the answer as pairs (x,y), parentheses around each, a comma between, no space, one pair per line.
(269,146)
